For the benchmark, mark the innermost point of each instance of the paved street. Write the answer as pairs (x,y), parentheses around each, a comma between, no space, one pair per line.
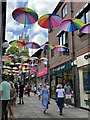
(32,109)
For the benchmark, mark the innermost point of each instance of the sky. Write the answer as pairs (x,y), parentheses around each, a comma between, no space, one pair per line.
(34,31)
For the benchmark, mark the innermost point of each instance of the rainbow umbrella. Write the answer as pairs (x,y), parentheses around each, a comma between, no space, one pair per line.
(10,56)
(32,45)
(4,58)
(16,43)
(33,58)
(71,24)
(15,68)
(49,21)
(60,48)
(25,15)
(24,58)
(85,28)
(43,59)
(46,46)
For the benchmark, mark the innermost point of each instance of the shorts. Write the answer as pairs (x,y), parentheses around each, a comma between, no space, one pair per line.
(68,96)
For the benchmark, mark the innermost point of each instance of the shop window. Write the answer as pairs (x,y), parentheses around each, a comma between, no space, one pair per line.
(86,78)
(64,11)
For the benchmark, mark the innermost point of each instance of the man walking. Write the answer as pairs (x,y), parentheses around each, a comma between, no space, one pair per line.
(5,96)
(68,94)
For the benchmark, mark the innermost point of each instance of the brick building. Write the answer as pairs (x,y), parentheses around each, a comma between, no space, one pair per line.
(61,64)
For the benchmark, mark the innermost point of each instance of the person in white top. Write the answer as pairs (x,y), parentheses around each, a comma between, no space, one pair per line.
(60,97)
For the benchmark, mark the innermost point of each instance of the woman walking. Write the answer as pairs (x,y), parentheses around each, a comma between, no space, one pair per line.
(11,101)
(45,96)
(60,97)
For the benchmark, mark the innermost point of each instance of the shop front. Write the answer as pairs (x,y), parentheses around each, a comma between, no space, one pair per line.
(41,76)
(83,64)
(60,74)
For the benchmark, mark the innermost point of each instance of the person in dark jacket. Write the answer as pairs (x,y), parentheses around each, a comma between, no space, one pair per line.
(21,91)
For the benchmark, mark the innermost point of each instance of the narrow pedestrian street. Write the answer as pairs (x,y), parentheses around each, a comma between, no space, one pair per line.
(32,109)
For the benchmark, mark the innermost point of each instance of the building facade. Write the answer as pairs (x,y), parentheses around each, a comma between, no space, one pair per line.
(61,63)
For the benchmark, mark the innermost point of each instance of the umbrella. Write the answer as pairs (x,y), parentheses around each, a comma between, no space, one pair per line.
(17,63)
(16,43)
(32,45)
(4,58)
(25,15)
(25,58)
(43,59)
(85,28)
(15,68)
(71,24)
(46,46)
(10,56)
(33,58)
(49,21)
(60,48)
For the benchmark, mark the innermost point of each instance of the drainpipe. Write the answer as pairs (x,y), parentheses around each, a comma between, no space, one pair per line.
(73,58)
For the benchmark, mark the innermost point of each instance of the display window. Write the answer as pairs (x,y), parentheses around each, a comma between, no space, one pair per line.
(84,82)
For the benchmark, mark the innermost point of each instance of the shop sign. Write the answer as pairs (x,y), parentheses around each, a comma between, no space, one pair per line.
(87,56)
(42,72)
(61,68)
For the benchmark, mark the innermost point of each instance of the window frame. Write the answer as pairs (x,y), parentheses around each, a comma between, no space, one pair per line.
(64,11)
(61,35)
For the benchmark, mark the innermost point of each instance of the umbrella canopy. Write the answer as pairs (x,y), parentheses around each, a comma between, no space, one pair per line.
(32,45)
(85,28)
(16,43)
(4,58)
(25,15)
(10,56)
(33,58)
(15,68)
(46,46)
(24,58)
(49,21)
(43,59)
(71,24)
(60,48)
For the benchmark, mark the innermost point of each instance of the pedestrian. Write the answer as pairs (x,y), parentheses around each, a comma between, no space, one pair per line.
(48,87)
(12,100)
(39,90)
(60,97)
(21,92)
(5,88)
(67,94)
(45,95)
(35,90)
(28,88)
(16,87)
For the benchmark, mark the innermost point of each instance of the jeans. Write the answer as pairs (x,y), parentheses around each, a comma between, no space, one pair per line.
(60,104)
(4,110)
